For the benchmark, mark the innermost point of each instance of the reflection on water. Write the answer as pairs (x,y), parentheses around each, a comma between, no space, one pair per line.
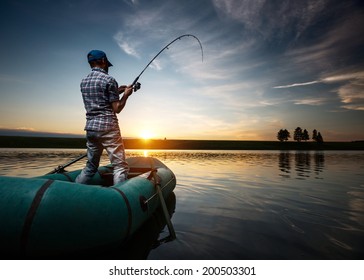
(247,204)
(302,164)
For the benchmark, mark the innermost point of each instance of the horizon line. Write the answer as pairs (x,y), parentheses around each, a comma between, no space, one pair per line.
(33,133)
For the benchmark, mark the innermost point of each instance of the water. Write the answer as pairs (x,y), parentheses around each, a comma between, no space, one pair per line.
(246,204)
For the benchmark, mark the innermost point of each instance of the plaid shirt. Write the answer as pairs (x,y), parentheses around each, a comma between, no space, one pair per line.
(99,90)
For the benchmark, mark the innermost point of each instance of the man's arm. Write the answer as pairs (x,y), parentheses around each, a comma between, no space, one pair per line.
(122,88)
(118,106)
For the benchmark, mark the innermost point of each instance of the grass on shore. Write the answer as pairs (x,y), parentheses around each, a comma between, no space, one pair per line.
(80,143)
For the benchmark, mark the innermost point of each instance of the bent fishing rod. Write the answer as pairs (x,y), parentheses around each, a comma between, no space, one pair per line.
(137,85)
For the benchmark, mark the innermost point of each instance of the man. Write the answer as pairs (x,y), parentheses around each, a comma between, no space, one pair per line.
(100,93)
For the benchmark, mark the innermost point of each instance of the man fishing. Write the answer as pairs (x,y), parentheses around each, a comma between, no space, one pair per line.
(100,93)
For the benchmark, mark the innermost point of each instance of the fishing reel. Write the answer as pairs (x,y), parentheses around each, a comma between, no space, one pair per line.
(136,86)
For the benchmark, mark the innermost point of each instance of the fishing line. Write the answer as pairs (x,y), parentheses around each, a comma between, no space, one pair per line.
(135,83)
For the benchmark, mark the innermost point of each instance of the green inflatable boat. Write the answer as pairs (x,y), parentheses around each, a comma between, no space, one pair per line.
(52,216)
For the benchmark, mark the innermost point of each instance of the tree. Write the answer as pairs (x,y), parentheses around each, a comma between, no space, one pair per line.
(319,138)
(298,134)
(283,135)
(305,135)
(314,135)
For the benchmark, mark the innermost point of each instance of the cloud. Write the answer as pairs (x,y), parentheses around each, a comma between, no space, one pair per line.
(232,72)
(156,65)
(145,31)
(311,101)
(352,95)
(344,77)
(298,84)
(269,18)
(328,79)
(31,132)
(131,2)
(333,58)
(124,44)
(350,91)
(336,47)
(243,11)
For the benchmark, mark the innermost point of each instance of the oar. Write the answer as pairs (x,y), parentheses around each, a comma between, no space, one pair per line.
(172,233)
(61,168)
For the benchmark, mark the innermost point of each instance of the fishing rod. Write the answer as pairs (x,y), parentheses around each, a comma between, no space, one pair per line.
(137,85)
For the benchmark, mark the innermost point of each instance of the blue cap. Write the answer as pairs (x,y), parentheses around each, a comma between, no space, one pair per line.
(95,55)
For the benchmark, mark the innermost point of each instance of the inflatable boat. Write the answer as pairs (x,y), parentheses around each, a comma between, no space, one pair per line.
(52,216)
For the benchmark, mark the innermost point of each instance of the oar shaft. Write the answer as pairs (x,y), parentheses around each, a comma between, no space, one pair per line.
(62,167)
(172,233)
(165,211)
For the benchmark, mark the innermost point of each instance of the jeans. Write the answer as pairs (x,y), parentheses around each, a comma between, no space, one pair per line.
(112,142)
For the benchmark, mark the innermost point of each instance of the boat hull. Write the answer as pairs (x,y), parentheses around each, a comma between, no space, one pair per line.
(53,216)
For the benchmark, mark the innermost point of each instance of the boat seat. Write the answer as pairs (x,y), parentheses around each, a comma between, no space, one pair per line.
(107,176)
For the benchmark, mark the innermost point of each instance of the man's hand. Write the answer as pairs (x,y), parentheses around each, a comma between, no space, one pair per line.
(122,88)
(128,90)
(118,106)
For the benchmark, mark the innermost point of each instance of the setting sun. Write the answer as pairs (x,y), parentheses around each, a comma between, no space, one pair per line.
(146,134)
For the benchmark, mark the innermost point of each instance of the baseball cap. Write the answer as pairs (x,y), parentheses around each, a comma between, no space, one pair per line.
(97,54)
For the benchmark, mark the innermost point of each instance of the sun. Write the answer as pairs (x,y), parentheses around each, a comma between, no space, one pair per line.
(146,134)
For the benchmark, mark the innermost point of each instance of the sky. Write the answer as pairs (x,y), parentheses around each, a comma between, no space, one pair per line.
(267,65)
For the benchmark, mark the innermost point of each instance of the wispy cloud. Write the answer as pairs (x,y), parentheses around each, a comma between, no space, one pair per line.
(269,18)
(156,65)
(352,95)
(125,45)
(326,56)
(298,84)
(240,10)
(344,77)
(311,101)
(17,129)
(131,2)
(350,91)
(333,45)
(328,79)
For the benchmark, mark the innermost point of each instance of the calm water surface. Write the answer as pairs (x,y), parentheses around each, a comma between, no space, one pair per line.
(247,204)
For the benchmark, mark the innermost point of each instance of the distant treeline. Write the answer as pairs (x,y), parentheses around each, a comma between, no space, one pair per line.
(80,143)
(299,135)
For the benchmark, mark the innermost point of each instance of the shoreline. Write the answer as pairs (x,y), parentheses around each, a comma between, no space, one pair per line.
(80,143)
